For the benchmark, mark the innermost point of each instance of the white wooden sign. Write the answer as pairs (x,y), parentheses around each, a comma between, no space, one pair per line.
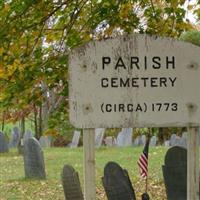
(135,81)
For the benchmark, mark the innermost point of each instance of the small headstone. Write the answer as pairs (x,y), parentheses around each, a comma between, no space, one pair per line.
(71,184)
(117,183)
(153,141)
(33,159)
(45,141)
(175,173)
(99,134)
(75,139)
(3,143)
(167,143)
(15,138)
(28,134)
(109,141)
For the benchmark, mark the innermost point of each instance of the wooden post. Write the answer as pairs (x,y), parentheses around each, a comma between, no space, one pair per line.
(89,164)
(193,164)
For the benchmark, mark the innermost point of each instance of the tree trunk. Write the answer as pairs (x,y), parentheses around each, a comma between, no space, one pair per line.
(22,130)
(3,121)
(40,122)
(35,122)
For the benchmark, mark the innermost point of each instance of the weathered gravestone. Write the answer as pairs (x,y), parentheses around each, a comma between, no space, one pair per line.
(183,141)
(75,139)
(33,159)
(71,184)
(15,139)
(176,140)
(153,141)
(175,173)
(117,183)
(45,141)
(3,143)
(99,134)
(28,134)
(124,137)
(173,140)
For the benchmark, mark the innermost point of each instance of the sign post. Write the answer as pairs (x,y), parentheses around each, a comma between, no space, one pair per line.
(193,164)
(137,81)
(89,164)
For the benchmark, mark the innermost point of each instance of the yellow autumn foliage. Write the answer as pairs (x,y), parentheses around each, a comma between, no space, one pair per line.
(51,132)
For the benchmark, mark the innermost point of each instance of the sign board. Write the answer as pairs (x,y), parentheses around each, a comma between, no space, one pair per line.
(135,81)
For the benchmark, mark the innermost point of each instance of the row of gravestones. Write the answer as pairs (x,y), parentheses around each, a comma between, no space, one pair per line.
(176,140)
(124,138)
(33,156)
(117,183)
(45,141)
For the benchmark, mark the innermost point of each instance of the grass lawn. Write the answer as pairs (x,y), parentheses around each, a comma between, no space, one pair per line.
(14,186)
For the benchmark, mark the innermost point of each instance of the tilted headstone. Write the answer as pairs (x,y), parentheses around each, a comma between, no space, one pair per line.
(99,134)
(45,141)
(15,138)
(28,134)
(3,143)
(75,139)
(33,159)
(117,183)
(153,141)
(175,173)
(71,184)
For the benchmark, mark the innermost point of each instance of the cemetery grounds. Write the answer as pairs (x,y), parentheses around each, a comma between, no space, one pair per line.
(13,185)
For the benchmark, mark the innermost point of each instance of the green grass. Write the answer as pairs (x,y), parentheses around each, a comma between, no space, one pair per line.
(14,186)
